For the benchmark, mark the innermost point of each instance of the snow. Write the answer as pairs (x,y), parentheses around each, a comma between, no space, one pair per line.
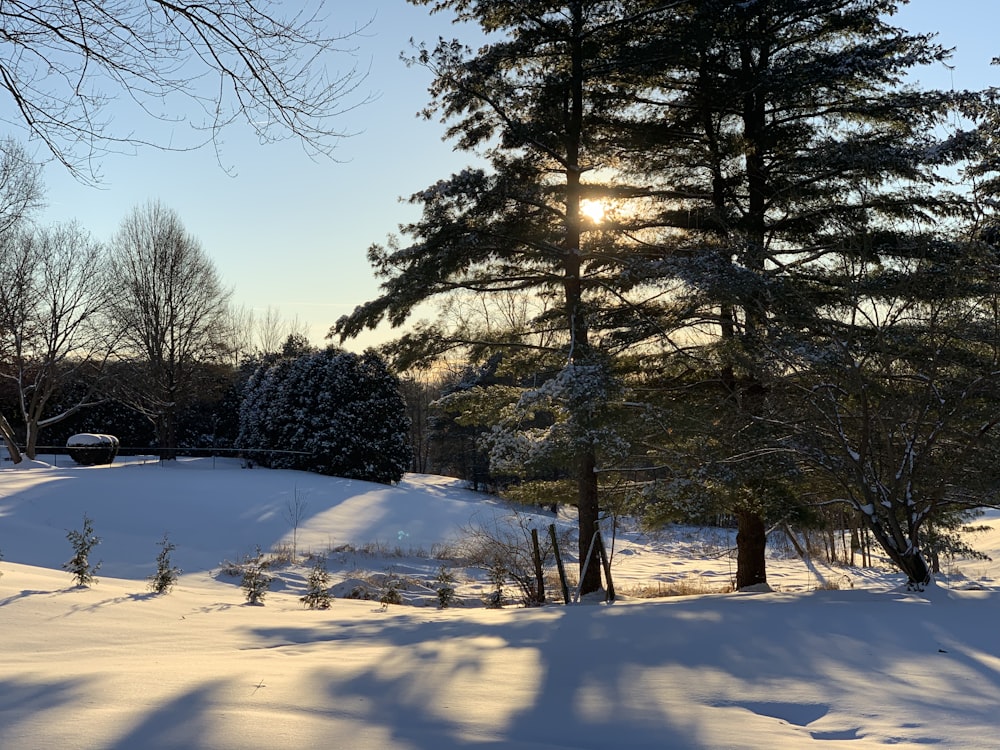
(89,439)
(115,667)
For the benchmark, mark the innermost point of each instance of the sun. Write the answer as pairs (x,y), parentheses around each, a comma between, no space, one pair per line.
(593,210)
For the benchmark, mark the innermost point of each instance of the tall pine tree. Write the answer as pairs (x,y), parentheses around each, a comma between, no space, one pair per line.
(809,168)
(533,103)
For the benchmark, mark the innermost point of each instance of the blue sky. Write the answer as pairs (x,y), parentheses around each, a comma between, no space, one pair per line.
(291,233)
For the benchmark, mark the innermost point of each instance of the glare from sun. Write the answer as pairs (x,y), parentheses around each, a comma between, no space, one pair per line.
(593,210)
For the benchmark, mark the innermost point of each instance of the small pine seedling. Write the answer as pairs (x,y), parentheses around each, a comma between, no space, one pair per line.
(390,592)
(498,575)
(83,542)
(256,579)
(445,588)
(318,594)
(166,574)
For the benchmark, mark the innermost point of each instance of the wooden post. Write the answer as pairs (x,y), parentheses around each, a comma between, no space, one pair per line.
(586,563)
(609,595)
(559,563)
(539,576)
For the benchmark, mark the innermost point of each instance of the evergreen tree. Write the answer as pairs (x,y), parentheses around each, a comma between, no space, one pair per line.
(341,413)
(532,103)
(83,542)
(166,573)
(808,169)
(318,594)
(255,579)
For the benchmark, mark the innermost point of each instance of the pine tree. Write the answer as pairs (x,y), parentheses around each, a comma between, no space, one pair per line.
(318,594)
(341,413)
(83,541)
(532,104)
(809,170)
(255,580)
(445,588)
(166,573)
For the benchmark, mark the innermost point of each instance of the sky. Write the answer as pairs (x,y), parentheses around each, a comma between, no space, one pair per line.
(833,658)
(291,233)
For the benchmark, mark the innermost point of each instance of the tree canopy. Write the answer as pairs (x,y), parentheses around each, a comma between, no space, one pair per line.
(769,177)
(66,67)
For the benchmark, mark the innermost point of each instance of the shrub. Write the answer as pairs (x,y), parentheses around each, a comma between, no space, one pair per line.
(390,592)
(255,578)
(505,551)
(318,594)
(83,542)
(166,574)
(497,574)
(342,412)
(88,449)
(445,588)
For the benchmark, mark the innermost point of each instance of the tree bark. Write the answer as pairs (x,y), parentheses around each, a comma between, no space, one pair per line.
(589,510)
(751,545)
(9,440)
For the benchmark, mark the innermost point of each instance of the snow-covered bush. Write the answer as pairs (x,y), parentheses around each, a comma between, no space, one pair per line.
(341,413)
(88,449)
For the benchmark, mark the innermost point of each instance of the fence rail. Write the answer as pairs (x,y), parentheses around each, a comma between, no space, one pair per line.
(161,454)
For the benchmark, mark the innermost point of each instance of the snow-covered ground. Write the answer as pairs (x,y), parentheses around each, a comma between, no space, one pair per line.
(834,658)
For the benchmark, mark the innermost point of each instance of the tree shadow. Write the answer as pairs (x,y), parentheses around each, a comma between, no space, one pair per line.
(525,680)
(770,669)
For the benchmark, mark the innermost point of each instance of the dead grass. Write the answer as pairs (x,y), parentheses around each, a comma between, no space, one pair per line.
(681,587)
(836,584)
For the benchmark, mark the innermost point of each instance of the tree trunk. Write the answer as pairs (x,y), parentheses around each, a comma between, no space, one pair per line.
(751,544)
(9,440)
(910,561)
(913,564)
(576,316)
(590,577)
(31,439)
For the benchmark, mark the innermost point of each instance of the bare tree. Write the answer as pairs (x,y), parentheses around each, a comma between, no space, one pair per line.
(240,324)
(21,190)
(53,292)
(249,334)
(172,308)
(206,63)
(272,331)
(20,194)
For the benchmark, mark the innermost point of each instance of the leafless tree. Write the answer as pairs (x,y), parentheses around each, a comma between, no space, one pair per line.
(21,190)
(272,331)
(53,292)
(20,194)
(240,324)
(249,334)
(172,308)
(207,64)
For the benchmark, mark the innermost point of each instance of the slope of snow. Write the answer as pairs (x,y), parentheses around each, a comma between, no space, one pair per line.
(116,667)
